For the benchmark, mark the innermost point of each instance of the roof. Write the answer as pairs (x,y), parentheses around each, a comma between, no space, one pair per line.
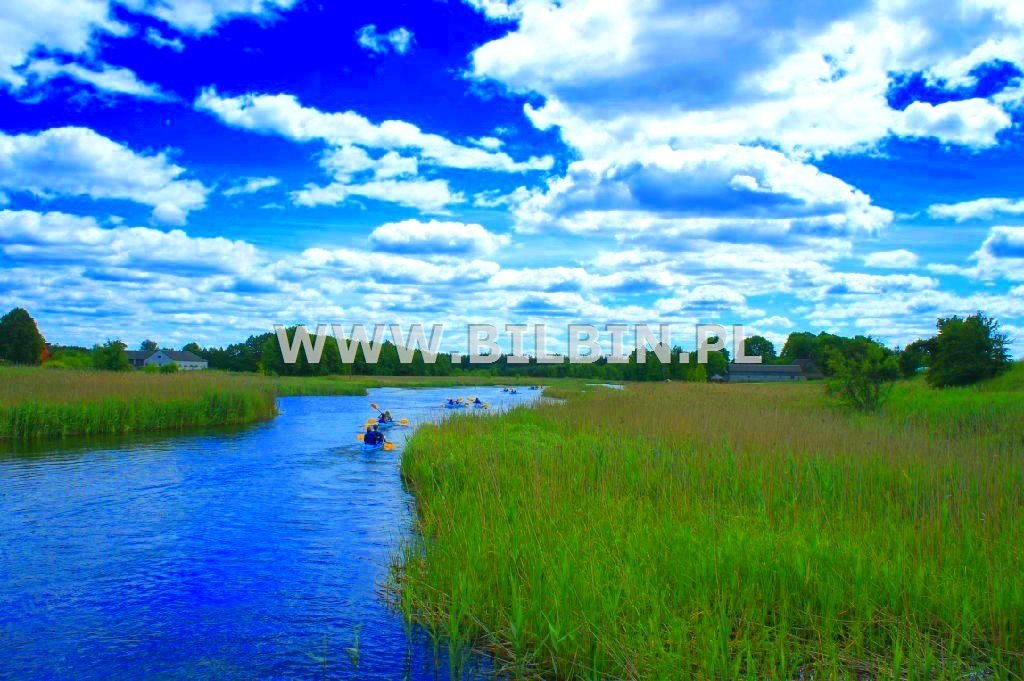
(765,369)
(174,355)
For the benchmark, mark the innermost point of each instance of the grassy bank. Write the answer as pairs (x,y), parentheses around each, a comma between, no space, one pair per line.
(736,531)
(41,402)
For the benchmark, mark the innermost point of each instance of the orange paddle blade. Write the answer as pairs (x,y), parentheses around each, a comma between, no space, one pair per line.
(388,446)
(359,437)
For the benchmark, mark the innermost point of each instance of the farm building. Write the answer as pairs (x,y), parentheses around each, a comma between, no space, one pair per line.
(772,373)
(185,360)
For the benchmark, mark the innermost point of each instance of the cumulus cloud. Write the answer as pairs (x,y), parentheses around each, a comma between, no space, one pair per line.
(1001,254)
(732,191)
(398,40)
(897,259)
(59,237)
(808,77)
(251,185)
(105,78)
(970,122)
(437,238)
(431,196)
(398,269)
(81,162)
(977,209)
(349,161)
(283,115)
(72,26)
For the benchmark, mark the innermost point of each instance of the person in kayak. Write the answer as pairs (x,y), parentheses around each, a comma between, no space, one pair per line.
(373,436)
(477,401)
(451,402)
(386,417)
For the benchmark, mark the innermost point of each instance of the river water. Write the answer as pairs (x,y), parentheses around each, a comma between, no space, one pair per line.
(229,554)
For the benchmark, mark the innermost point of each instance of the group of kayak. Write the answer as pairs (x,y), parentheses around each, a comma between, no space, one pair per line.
(460,403)
(374,439)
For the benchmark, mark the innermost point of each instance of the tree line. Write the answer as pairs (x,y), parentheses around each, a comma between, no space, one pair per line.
(963,351)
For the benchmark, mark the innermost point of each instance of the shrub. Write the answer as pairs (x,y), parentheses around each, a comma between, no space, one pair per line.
(862,375)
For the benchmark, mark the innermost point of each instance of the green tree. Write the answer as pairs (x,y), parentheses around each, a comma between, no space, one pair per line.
(20,340)
(149,345)
(759,346)
(967,350)
(863,374)
(915,356)
(111,356)
(272,359)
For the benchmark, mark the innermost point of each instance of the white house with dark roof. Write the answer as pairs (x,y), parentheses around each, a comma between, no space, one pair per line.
(186,360)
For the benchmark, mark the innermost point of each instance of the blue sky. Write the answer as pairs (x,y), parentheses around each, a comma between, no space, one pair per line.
(202,169)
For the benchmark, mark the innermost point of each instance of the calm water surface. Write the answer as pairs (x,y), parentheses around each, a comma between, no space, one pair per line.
(255,553)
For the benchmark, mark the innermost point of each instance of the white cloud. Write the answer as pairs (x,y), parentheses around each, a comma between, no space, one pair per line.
(970,122)
(431,196)
(106,78)
(492,143)
(348,161)
(810,78)
(977,209)
(497,10)
(398,40)
(397,269)
(40,238)
(283,115)
(81,162)
(156,38)
(437,238)
(56,25)
(251,185)
(897,259)
(73,27)
(202,16)
(1001,254)
(725,192)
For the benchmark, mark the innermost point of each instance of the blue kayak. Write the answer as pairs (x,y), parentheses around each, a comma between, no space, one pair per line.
(384,425)
(457,405)
(372,448)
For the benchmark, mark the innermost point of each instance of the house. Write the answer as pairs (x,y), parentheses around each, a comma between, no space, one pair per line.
(768,373)
(186,360)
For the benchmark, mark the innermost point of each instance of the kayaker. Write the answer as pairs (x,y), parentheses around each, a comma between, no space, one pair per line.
(386,417)
(451,402)
(477,401)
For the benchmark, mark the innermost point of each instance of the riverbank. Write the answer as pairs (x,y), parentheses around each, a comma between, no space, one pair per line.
(736,531)
(37,403)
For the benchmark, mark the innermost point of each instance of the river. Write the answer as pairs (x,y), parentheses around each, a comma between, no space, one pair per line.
(229,554)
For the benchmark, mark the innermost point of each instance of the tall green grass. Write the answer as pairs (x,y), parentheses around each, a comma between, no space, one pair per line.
(54,402)
(721,532)
(40,403)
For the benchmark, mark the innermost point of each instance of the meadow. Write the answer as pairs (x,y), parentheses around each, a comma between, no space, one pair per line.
(727,532)
(42,402)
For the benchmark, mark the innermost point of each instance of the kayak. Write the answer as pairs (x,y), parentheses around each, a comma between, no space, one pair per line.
(479,406)
(457,405)
(373,448)
(384,425)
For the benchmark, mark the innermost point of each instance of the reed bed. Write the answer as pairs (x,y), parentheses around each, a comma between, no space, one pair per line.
(722,532)
(41,403)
